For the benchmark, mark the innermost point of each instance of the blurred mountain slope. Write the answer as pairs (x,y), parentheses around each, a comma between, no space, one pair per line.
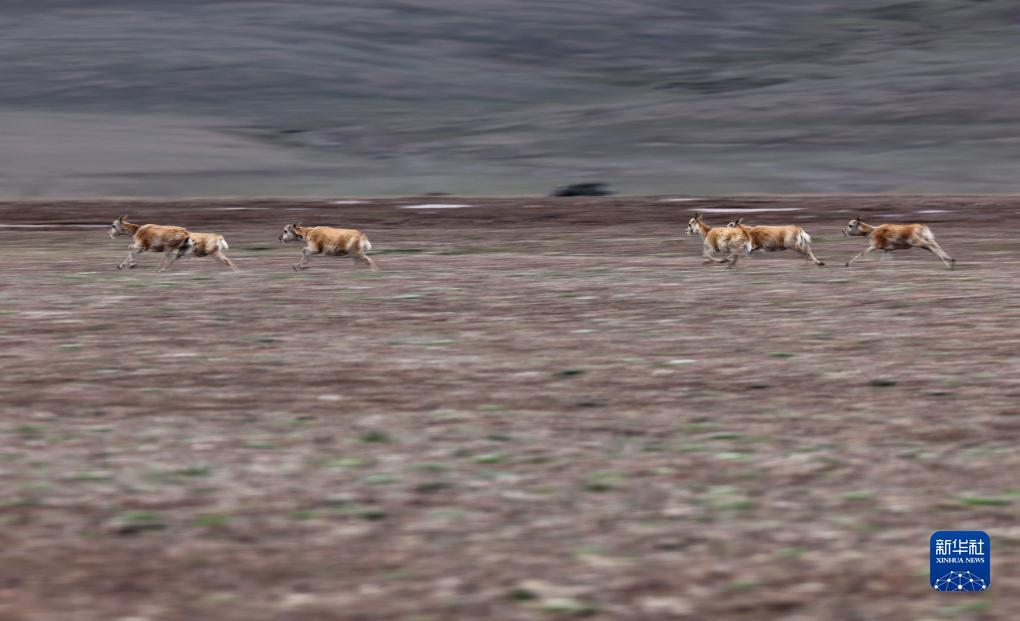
(501,96)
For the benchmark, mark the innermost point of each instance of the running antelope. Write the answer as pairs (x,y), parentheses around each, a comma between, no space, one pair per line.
(209,245)
(731,242)
(889,237)
(174,240)
(328,240)
(775,238)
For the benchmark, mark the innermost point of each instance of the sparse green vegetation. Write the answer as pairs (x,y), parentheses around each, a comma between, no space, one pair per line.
(290,437)
(138,522)
(490,458)
(985,501)
(212,521)
(372,513)
(568,606)
(375,436)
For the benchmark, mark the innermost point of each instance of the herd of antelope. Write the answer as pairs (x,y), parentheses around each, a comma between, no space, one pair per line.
(179,242)
(722,244)
(726,244)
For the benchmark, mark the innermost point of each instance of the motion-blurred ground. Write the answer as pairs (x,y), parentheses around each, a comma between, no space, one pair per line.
(380,97)
(539,409)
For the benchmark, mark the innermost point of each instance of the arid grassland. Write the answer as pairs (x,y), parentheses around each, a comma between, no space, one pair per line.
(538,409)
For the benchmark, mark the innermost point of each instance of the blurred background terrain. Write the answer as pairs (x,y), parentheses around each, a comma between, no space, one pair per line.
(490,97)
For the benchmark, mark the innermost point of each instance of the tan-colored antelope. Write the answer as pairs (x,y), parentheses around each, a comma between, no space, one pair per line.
(733,243)
(889,237)
(175,241)
(330,241)
(775,238)
(209,245)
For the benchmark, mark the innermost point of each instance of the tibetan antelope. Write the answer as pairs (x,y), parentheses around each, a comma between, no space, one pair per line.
(208,245)
(174,240)
(889,237)
(328,240)
(775,238)
(733,243)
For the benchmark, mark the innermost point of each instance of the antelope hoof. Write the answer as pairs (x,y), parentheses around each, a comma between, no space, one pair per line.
(847,264)
(820,263)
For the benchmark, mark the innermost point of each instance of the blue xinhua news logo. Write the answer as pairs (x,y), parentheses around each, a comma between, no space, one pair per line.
(961,560)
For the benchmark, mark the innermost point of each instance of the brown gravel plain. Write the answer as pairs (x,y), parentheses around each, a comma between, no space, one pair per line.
(538,409)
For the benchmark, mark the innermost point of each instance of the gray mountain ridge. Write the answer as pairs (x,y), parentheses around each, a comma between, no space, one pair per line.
(310,97)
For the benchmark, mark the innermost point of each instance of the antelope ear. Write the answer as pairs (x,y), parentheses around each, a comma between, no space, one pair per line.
(858,218)
(122,218)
